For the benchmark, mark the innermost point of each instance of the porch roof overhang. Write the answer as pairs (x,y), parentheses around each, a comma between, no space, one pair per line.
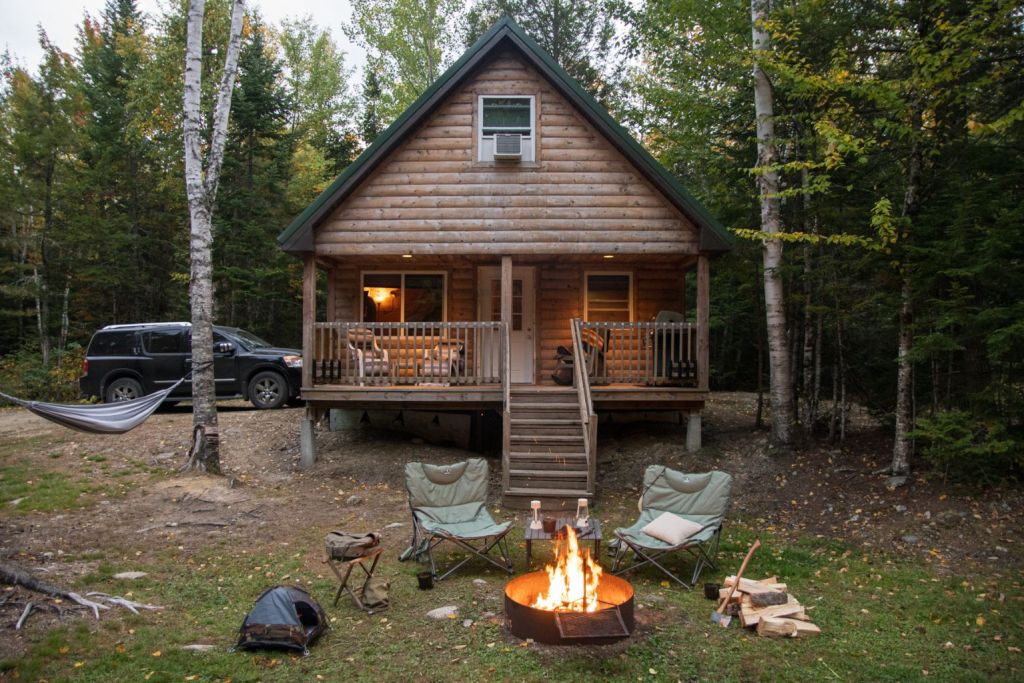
(298,236)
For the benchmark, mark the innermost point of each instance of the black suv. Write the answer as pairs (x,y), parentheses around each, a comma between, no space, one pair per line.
(127,361)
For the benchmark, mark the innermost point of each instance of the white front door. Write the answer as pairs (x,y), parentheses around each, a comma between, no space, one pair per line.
(523,316)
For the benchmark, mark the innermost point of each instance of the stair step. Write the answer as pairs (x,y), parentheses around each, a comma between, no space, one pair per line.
(545,422)
(554,493)
(546,439)
(547,456)
(546,406)
(549,474)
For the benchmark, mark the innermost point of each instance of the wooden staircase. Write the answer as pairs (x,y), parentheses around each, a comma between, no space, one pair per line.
(547,456)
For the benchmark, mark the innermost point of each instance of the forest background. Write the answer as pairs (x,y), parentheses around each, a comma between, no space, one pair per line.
(900,135)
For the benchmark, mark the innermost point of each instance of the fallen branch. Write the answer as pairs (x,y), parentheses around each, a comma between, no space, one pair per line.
(131,605)
(16,576)
(24,616)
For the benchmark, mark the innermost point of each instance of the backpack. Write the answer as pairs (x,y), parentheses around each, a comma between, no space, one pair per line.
(283,617)
(342,545)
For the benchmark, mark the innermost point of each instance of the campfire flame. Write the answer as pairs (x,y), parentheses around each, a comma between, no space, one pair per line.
(572,580)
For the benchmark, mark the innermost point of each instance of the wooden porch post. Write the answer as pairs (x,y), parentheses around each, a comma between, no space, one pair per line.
(703,321)
(307,436)
(506,290)
(308,317)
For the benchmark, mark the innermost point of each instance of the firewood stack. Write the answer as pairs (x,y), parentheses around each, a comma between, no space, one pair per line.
(767,606)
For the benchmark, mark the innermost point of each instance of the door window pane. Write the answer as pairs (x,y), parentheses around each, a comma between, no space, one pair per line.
(608,298)
(517,303)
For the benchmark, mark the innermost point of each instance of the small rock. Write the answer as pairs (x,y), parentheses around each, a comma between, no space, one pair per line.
(488,615)
(909,538)
(900,508)
(48,555)
(443,612)
(198,647)
(479,582)
(353,500)
(394,525)
(854,518)
(127,576)
(160,457)
(893,483)
(1002,549)
(948,518)
(466,623)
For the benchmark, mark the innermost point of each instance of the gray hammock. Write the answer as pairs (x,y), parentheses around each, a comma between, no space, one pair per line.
(100,418)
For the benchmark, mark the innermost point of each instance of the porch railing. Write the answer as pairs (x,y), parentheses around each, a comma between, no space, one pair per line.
(588,417)
(649,353)
(386,354)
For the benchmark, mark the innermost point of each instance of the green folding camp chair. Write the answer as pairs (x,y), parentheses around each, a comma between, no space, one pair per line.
(449,503)
(700,498)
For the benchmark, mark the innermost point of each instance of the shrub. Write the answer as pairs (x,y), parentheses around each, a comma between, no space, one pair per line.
(23,374)
(965,446)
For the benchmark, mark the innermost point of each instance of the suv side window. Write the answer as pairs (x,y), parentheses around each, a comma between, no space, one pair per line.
(164,341)
(113,344)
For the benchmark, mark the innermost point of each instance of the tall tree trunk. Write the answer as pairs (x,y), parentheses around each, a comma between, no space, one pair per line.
(768,188)
(201,187)
(904,403)
(904,390)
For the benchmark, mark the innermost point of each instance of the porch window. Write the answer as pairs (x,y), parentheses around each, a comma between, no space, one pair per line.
(608,297)
(404,297)
(513,115)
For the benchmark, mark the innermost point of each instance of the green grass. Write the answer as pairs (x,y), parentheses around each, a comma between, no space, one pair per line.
(41,491)
(882,619)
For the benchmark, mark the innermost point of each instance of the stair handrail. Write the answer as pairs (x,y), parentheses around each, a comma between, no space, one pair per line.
(506,398)
(581,379)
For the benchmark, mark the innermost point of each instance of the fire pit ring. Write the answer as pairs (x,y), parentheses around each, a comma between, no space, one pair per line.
(612,622)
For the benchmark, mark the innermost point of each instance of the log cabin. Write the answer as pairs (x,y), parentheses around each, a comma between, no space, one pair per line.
(502,233)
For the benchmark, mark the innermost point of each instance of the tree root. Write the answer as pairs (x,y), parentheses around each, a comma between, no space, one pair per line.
(203,441)
(16,576)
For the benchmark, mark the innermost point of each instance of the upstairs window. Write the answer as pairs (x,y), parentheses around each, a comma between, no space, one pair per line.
(506,116)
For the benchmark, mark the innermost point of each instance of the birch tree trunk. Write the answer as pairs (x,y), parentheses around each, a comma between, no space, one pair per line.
(780,374)
(904,388)
(201,187)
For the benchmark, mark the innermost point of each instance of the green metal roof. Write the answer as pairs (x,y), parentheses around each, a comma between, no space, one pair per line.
(298,237)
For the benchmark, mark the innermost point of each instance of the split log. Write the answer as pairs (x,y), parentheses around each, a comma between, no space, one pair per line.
(749,616)
(790,628)
(768,598)
(15,576)
(776,628)
(752,586)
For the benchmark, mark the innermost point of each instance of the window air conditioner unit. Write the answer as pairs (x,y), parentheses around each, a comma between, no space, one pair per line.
(508,146)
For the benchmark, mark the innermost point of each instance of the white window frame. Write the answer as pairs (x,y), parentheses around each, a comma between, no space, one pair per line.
(586,290)
(480,137)
(402,274)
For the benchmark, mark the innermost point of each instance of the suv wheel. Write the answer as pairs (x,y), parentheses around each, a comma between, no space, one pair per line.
(268,390)
(123,389)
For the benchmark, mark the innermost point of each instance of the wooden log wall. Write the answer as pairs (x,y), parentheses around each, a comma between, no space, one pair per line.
(432,196)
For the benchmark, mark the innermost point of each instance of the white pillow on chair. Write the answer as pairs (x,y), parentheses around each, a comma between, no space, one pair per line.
(671,529)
